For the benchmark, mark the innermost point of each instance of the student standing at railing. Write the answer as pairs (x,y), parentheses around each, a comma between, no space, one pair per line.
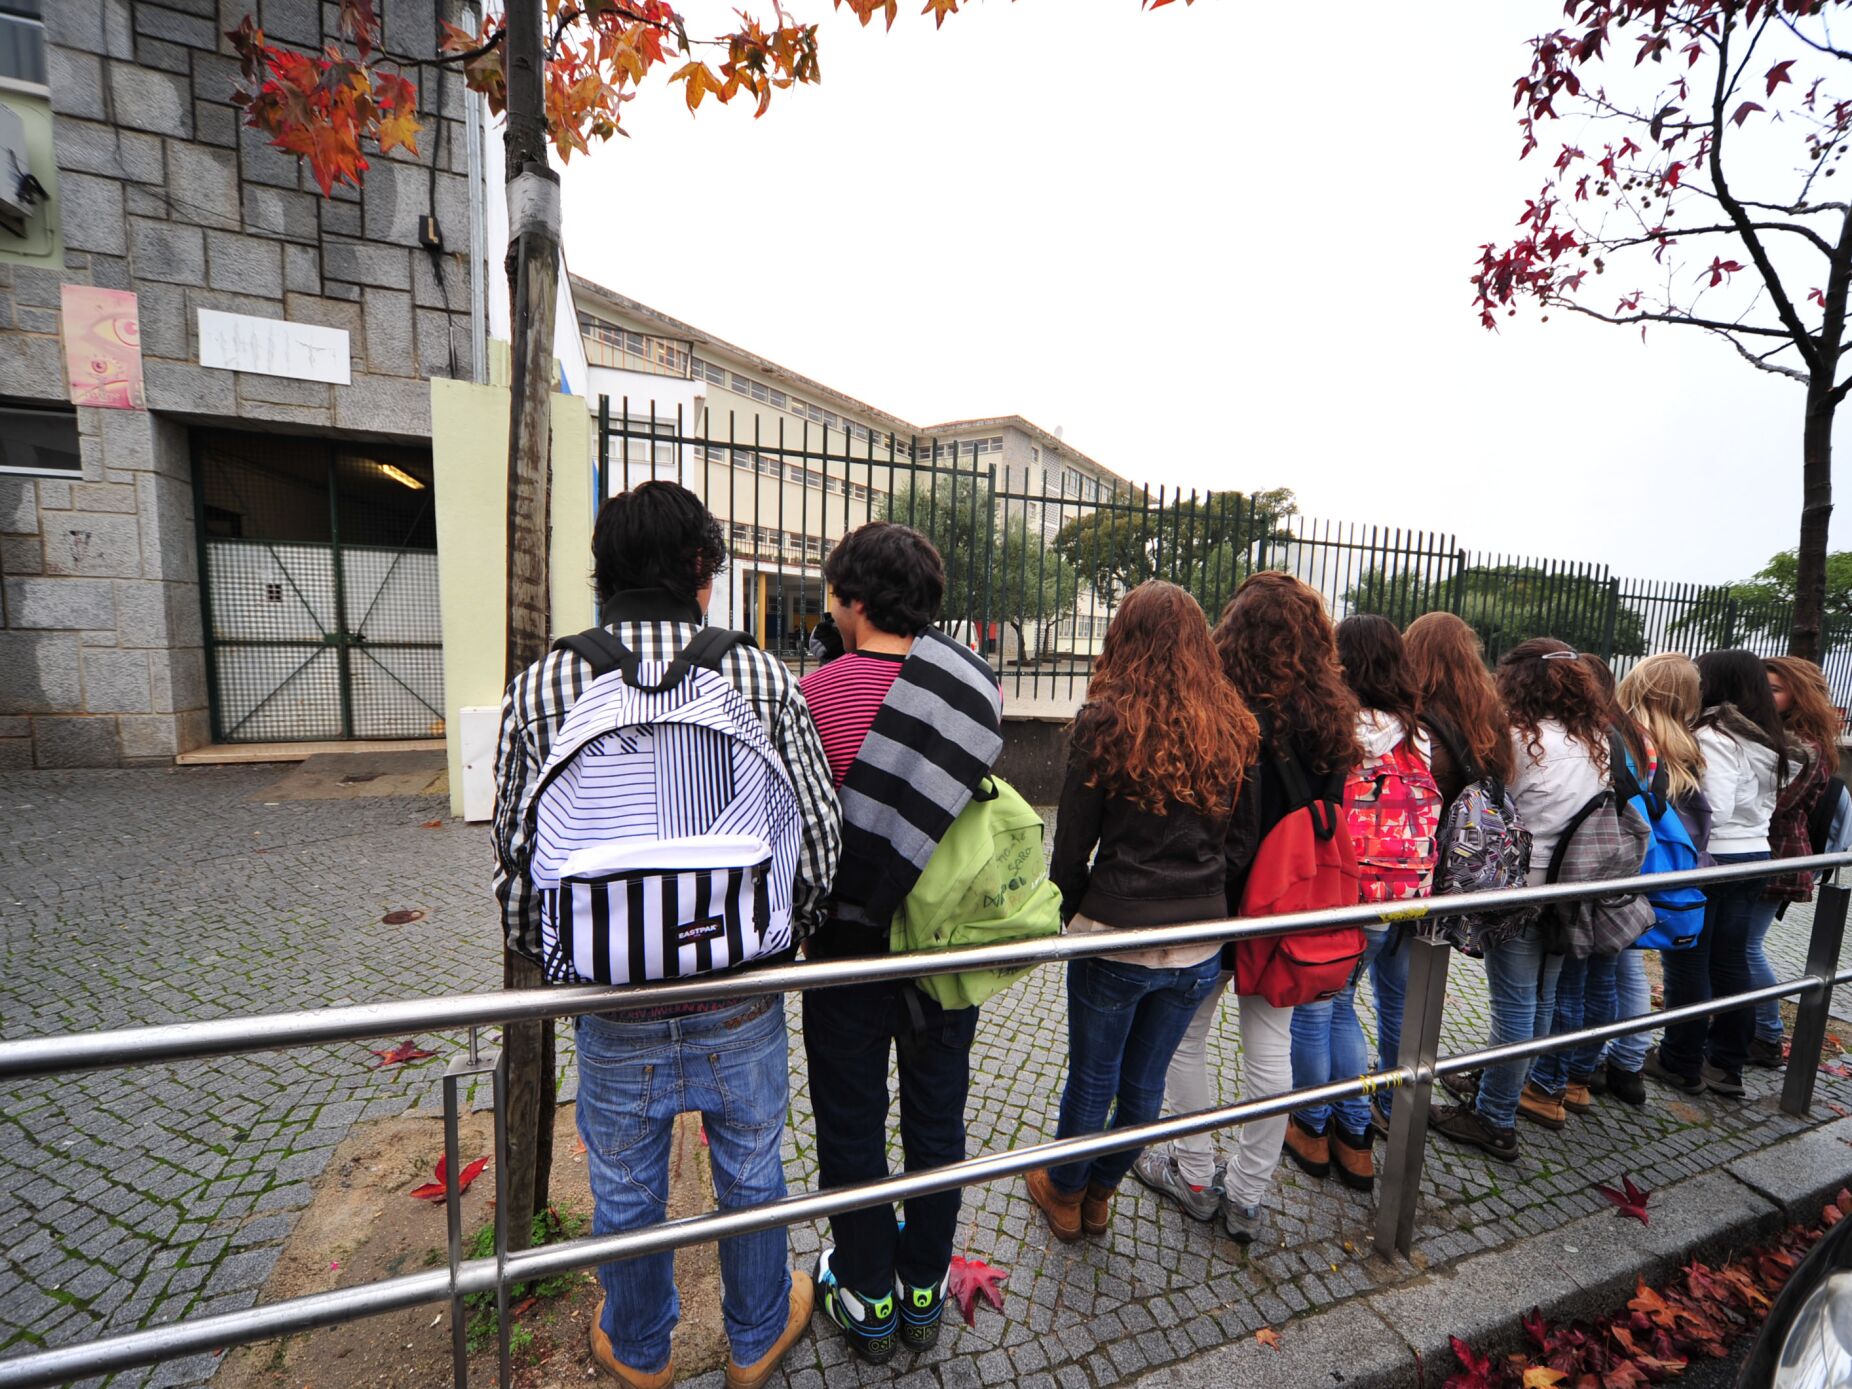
(1660,694)
(1276,644)
(655,552)
(1747,762)
(1392,807)
(1152,821)
(911,722)
(1807,712)
(1559,715)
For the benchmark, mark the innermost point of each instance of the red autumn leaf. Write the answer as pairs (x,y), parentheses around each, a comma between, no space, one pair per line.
(1536,1328)
(1718,268)
(1476,1370)
(408,1050)
(1779,74)
(1631,1200)
(1744,112)
(434,1189)
(1834,1069)
(432,825)
(971,1278)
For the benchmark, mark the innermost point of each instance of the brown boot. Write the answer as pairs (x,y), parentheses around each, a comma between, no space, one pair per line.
(1355,1162)
(803,1299)
(1061,1207)
(1541,1107)
(1578,1098)
(1310,1149)
(1096,1210)
(607,1360)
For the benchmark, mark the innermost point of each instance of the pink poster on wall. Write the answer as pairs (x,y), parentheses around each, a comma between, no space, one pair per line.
(102,348)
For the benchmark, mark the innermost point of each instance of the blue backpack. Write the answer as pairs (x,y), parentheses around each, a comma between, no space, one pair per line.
(1678,912)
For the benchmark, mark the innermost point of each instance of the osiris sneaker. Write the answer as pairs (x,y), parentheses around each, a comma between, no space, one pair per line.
(920,1310)
(870,1323)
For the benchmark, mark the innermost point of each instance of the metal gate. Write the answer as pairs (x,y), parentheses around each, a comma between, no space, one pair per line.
(318,570)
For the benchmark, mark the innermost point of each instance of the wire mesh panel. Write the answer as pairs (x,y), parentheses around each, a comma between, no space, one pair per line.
(320,579)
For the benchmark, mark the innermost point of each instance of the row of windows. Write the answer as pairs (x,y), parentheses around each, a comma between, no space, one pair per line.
(703,370)
(763,542)
(636,351)
(769,465)
(967,448)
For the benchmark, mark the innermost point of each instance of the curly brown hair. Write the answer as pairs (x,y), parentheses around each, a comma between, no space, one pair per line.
(1277,645)
(1161,723)
(1448,664)
(1563,688)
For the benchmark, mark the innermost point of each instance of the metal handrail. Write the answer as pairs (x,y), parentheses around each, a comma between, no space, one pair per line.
(134,1046)
(191,1041)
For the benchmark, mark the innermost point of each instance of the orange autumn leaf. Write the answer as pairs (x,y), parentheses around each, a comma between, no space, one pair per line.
(1268,1337)
(1543,1377)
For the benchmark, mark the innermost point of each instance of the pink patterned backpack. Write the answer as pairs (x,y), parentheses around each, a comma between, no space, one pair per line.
(1393,805)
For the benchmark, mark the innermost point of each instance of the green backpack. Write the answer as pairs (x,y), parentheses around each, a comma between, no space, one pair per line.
(987,882)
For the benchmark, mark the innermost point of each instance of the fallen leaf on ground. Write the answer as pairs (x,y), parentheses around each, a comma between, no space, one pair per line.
(1543,1377)
(434,1189)
(402,917)
(1833,1069)
(1687,1113)
(1631,1201)
(971,1278)
(408,1050)
(1267,1336)
(432,825)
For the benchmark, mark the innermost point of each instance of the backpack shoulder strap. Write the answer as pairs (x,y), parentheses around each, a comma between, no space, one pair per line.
(711,645)
(1620,775)
(602,651)
(1576,821)
(1449,738)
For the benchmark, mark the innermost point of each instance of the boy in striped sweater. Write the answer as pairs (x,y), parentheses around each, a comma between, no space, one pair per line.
(911,723)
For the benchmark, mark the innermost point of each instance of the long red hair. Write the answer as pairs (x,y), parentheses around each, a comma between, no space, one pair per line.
(1161,722)
(1450,676)
(1277,644)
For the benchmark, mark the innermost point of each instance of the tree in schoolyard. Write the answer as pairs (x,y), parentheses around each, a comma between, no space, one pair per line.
(1207,544)
(1509,603)
(1695,189)
(1759,607)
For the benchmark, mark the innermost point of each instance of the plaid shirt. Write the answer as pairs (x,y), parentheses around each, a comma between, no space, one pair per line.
(535,706)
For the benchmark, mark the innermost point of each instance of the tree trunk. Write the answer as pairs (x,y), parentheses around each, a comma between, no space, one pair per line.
(1805,638)
(533,255)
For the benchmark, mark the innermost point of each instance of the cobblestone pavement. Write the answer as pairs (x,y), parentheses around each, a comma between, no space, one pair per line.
(129,1198)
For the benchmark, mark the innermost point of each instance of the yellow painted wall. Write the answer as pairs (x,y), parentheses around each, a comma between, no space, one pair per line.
(469,450)
(43,243)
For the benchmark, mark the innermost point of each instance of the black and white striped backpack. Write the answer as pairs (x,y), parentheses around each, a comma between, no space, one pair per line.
(664,829)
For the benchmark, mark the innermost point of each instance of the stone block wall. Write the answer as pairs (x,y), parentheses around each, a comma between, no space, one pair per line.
(162,192)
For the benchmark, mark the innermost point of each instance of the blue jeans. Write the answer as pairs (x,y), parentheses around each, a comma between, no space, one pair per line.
(1761,972)
(1717,964)
(1389,980)
(1123,1025)
(1521,980)
(733,1067)
(1328,1040)
(1585,997)
(1633,998)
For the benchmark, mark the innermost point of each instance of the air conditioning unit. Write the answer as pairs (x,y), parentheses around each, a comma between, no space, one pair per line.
(20,192)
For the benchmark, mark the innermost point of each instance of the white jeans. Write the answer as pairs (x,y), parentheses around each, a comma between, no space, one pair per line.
(1266,1069)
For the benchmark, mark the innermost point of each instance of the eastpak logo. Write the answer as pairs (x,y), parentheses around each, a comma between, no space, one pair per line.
(705,929)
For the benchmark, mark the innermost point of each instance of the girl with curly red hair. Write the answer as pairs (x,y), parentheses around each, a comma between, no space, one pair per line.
(1147,827)
(1279,649)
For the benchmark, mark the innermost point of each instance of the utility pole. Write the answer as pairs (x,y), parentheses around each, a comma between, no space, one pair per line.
(533,272)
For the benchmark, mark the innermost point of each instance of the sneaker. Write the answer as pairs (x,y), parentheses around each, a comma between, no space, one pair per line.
(754,1376)
(1309,1148)
(1157,1168)
(870,1323)
(1464,1124)
(920,1310)
(1656,1067)
(1721,1082)
(1541,1107)
(1629,1087)
(1770,1056)
(1462,1085)
(1243,1223)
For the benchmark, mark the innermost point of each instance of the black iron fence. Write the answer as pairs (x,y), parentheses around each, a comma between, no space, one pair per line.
(1037,554)
(1419,1065)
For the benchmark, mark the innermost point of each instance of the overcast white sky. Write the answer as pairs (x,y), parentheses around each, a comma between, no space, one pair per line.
(1220,246)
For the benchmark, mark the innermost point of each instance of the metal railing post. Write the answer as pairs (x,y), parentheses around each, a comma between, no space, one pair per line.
(1829,929)
(469,1064)
(1408,1120)
(505,1379)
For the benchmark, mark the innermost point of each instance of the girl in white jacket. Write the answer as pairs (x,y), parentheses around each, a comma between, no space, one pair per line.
(1745,766)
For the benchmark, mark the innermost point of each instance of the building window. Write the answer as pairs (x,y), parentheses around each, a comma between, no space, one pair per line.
(39,440)
(22,41)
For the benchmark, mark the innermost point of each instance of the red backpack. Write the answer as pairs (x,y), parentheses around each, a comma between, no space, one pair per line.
(1304,863)
(1392,807)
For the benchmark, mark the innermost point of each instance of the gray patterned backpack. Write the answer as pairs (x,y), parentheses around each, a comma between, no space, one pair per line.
(1483,847)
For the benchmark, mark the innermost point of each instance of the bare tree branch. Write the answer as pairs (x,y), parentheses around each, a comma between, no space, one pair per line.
(1825,246)
(1813,43)
(1762,363)
(1713,325)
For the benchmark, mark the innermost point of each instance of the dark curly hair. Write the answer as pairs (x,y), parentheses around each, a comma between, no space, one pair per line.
(1376,668)
(1161,722)
(1563,688)
(1276,644)
(893,572)
(657,535)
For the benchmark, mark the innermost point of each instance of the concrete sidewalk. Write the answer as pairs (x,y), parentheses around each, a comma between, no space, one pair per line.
(130,1198)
